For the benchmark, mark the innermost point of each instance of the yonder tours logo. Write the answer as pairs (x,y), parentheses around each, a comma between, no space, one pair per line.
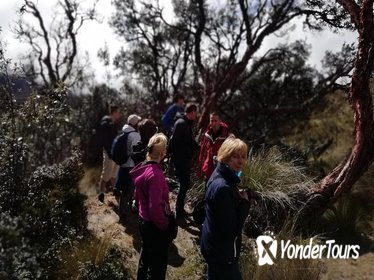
(268,250)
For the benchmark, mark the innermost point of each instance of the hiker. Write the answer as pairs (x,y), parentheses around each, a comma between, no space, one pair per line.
(226,209)
(107,132)
(181,147)
(215,135)
(168,118)
(124,186)
(147,128)
(152,196)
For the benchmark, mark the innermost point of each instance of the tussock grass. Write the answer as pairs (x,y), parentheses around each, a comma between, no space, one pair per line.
(268,173)
(89,252)
(281,187)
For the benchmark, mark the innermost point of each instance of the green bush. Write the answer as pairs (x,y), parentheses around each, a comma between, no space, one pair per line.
(49,217)
(111,268)
(41,208)
(18,258)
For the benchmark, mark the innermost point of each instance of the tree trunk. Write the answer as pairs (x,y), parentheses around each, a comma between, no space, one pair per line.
(342,178)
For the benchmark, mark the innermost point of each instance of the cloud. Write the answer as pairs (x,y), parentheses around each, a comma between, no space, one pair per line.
(320,41)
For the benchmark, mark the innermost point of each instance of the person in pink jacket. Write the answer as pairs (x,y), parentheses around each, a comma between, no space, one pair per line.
(152,196)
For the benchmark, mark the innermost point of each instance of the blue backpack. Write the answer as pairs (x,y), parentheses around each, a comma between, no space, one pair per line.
(119,150)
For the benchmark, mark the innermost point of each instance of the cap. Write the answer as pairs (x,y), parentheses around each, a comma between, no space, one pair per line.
(133,120)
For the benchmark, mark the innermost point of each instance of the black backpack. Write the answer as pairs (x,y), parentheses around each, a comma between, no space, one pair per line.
(119,151)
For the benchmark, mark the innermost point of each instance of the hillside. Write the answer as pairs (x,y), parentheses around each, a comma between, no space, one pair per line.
(333,122)
(184,259)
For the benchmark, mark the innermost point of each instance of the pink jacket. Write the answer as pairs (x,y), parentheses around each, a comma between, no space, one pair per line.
(151,193)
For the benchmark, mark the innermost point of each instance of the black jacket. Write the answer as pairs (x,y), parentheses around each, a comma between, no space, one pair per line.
(225,213)
(182,143)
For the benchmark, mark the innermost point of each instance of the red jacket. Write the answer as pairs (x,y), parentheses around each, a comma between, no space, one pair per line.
(209,148)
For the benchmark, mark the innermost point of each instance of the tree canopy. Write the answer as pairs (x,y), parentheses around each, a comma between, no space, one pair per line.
(209,51)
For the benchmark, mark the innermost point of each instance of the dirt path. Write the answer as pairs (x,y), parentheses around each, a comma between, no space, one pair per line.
(184,259)
(103,221)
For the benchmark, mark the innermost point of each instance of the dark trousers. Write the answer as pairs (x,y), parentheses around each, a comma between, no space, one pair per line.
(183,173)
(224,271)
(154,252)
(125,185)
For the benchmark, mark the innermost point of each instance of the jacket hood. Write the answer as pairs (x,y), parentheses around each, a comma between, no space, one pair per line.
(180,115)
(223,132)
(128,128)
(138,170)
(106,119)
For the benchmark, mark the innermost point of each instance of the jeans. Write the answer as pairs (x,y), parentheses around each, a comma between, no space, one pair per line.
(154,252)
(224,271)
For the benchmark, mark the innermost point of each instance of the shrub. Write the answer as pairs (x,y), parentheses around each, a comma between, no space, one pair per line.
(41,208)
(46,220)
(18,258)
(91,258)
(110,268)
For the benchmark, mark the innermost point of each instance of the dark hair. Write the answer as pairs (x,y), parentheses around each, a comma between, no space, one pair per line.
(215,113)
(178,96)
(191,107)
(147,128)
(113,108)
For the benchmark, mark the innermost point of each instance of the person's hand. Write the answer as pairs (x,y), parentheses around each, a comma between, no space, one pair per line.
(243,194)
(253,196)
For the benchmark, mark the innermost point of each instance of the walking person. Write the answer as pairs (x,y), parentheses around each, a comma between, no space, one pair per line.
(124,185)
(147,128)
(152,197)
(181,147)
(168,118)
(107,132)
(215,135)
(226,209)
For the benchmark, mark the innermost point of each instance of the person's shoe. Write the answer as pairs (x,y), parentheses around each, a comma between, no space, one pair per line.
(116,192)
(100,199)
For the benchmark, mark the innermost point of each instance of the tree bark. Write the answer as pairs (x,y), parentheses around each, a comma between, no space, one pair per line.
(342,178)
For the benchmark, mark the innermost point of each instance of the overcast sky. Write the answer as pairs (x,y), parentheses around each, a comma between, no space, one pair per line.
(93,35)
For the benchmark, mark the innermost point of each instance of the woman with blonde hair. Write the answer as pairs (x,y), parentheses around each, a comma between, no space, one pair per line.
(226,209)
(152,196)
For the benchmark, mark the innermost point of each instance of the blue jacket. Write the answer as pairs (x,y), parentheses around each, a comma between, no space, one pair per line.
(225,213)
(168,118)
